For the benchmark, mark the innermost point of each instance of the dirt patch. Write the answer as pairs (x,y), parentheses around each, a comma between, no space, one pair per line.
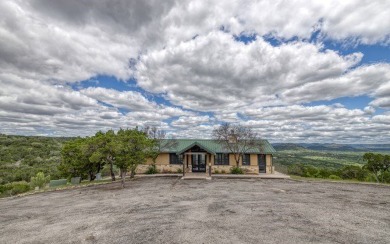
(170,210)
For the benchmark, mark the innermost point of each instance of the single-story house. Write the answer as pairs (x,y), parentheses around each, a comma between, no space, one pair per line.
(201,155)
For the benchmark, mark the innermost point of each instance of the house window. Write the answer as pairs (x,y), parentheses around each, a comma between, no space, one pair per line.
(222,159)
(246,159)
(174,158)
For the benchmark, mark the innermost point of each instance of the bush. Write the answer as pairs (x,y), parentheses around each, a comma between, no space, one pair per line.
(216,171)
(296,169)
(353,172)
(151,170)
(386,177)
(223,171)
(323,173)
(179,170)
(334,177)
(15,188)
(236,170)
(310,171)
(40,180)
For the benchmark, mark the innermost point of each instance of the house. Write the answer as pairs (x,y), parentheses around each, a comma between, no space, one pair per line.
(201,155)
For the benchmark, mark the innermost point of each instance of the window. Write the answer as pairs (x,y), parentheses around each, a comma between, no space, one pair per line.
(246,159)
(222,159)
(174,158)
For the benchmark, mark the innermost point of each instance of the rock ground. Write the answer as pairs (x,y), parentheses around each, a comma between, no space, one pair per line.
(170,210)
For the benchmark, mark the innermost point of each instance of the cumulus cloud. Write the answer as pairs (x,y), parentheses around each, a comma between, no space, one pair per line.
(131,100)
(318,123)
(187,52)
(215,72)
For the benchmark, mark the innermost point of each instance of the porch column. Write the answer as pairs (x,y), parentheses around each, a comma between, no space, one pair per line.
(209,164)
(184,164)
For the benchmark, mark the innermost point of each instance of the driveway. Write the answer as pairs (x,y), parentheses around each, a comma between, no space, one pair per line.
(170,210)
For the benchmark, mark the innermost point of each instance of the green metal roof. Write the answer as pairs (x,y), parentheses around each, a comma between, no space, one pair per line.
(211,146)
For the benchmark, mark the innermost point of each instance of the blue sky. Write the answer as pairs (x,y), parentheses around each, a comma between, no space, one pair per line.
(319,74)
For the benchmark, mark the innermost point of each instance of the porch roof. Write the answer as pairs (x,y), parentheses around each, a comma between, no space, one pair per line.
(179,146)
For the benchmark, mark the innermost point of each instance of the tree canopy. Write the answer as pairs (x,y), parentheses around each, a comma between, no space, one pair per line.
(125,149)
(237,139)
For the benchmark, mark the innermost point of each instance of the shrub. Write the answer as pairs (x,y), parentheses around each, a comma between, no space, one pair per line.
(40,180)
(310,171)
(334,177)
(236,170)
(296,169)
(323,173)
(386,177)
(223,171)
(15,188)
(216,171)
(352,172)
(151,170)
(179,170)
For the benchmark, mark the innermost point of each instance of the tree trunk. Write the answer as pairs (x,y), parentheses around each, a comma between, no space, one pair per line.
(91,176)
(132,173)
(376,175)
(237,160)
(123,176)
(112,171)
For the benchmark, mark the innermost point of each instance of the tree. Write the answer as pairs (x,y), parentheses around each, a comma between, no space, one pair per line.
(158,142)
(131,149)
(105,151)
(378,164)
(78,159)
(237,139)
(91,165)
(73,159)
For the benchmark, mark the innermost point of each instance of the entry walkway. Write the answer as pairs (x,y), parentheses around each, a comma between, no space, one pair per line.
(196,176)
(276,175)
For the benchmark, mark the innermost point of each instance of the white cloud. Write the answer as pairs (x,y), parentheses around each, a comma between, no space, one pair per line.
(131,100)
(180,52)
(185,122)
(216,72)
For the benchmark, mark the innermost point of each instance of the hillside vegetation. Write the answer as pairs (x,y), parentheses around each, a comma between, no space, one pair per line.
(333,156)
(22,157)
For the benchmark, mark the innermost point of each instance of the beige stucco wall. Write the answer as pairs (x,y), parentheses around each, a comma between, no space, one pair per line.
(268,161)
(162,159)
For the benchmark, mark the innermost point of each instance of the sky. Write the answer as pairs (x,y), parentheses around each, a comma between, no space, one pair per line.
(292,70)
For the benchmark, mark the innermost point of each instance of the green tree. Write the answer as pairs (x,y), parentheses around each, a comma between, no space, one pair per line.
(78,159)
(131,149)
(378,164)
(105,151)
(73,159)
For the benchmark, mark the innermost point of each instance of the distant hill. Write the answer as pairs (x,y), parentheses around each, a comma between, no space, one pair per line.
(333,147)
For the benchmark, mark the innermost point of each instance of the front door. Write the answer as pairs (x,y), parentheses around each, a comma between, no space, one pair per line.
(262,164)
(198,163)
